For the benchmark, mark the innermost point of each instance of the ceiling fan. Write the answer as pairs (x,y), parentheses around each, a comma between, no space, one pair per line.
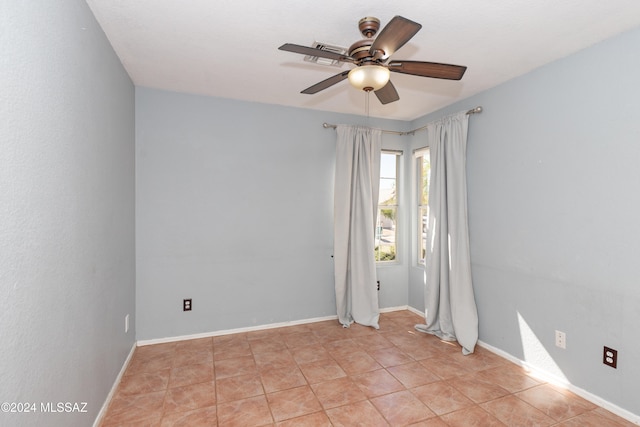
(371,58)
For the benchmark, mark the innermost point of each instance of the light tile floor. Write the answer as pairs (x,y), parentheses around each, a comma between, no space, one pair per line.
(321,374)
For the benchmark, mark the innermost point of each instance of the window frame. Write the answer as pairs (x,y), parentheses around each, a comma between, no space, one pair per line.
(420,205)
(398,196)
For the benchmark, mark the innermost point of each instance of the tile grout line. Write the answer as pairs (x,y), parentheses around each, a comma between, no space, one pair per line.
(359,340)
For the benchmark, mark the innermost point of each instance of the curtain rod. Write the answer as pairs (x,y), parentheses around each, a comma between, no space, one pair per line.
(476,110)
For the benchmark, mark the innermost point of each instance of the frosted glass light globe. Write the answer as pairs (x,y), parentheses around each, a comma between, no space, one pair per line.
(369,77)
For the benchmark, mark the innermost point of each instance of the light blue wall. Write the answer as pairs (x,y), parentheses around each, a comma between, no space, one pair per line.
(234,210)
(66,211)
(554,202)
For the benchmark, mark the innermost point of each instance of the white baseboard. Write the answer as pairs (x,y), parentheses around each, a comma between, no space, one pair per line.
(390,309)
(561,382)
(114,387)
(234,331)
(253,328)
(415,310)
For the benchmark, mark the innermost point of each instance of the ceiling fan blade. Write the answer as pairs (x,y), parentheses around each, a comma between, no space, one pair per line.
(393,36)
(428,69)
(326,83)
(312,51)
(387,94)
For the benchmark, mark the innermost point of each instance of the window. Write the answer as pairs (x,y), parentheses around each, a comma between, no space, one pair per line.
(386,230)
(423,172)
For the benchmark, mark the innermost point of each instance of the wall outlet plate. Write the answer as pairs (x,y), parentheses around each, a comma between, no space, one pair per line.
(186,304)
(561,339)
(610,357)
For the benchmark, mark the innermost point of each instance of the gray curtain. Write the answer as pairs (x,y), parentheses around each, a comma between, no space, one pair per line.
(450,308)
(357,180)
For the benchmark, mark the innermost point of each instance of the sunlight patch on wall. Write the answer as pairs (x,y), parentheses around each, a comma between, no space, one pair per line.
(535,355)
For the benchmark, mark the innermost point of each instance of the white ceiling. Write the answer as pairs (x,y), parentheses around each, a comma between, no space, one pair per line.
(229,49)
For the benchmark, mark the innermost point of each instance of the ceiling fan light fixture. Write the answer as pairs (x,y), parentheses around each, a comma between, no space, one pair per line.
(369,77)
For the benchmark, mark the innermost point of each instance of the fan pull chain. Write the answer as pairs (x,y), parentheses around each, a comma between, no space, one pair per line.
(366,103)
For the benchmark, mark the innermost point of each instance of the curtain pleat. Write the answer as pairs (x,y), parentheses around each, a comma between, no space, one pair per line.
(450,308)
(357,181)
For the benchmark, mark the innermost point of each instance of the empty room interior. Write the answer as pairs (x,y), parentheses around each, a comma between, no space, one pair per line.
(167,199)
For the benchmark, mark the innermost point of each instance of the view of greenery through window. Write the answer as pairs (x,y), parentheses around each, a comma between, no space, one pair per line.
(385,236)
(423,169)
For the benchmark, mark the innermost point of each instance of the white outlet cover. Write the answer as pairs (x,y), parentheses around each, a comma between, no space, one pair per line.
(561,339)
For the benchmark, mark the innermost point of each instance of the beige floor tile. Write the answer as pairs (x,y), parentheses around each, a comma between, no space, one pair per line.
(372,342)
(343,347)
(391,356)
(473,416)
(197,345)
(377,383)
(149,363)
(447,367)
(190,374)
(204,417)
(612,417)
(274,360)
(243,365)
(515,412)
(127,409)
(318,419)
(592,419)
(413,374)
(441,398)
(510,377)
(310,354)
(338,392)
(300,339)
(321,371)
(251,412)
(402,408)
(360,414)
(357,363)
(282,379)
(267,344)
(555,404)
(477,388)
(238,387)
(194,356)
(293,403)
(145,382)
(179,399)
(322,374)
(431,422)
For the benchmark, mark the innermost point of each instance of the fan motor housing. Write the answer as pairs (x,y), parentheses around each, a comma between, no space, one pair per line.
(360,49)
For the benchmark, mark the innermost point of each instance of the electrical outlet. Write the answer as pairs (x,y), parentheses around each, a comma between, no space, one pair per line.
(126,323)
(561,339)
(378,284)
(186,304)
(610,357)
